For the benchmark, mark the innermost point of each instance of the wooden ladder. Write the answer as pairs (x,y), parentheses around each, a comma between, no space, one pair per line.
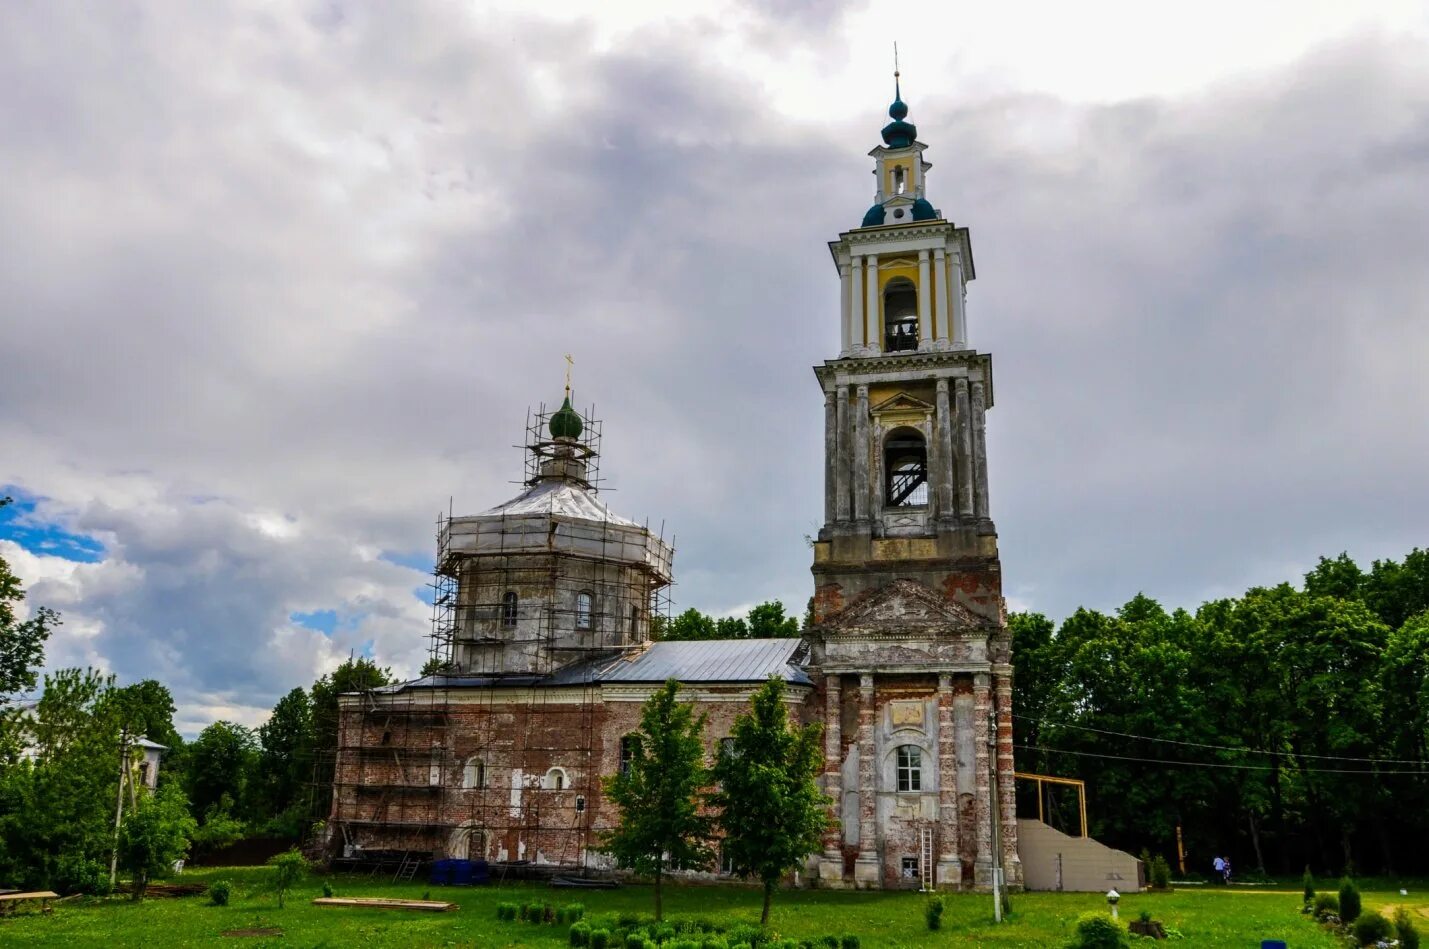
(925,859)
(408,870)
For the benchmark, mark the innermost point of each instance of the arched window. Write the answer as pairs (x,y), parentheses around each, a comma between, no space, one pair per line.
(634,620)
(910,768)
(509,604)
(899,185)
(556,780)
(585,606)
(900,315)
(629,747)
(905,469)
(473,774)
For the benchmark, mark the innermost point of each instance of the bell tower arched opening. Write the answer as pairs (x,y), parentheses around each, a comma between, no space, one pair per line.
(900,316)
(905,469)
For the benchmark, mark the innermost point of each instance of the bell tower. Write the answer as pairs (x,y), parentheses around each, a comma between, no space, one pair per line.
(908,631)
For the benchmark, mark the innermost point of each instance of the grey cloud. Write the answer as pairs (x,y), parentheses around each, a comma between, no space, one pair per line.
(323,276)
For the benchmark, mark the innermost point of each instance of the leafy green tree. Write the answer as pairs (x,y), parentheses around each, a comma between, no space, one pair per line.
(660,793)
(285,762)
(690,625)
(155,835)
(1397,591)
(771,810)
(354,675)
(22,642)
(731,627)
(1340,578)
(435,666)
(221,762)
(767,621)
(57,806)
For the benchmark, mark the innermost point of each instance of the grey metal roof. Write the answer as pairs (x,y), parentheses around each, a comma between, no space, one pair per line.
(707,661)
(711,660)
(556,497)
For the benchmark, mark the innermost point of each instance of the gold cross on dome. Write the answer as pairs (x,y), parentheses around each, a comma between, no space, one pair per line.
(569,363)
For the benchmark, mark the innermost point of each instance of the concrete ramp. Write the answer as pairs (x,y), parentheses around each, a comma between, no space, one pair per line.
(1051,860)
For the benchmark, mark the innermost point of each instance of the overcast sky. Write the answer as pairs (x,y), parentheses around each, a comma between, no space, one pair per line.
(278,281)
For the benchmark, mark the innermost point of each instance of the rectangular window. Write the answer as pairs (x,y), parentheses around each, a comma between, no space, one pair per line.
(910,768)
(910,868)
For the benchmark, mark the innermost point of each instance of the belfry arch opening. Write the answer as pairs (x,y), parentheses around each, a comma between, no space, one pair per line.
(900,315)
(905,469)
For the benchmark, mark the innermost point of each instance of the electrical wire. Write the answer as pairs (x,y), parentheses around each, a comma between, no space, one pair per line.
(1235,748)
(1216,764)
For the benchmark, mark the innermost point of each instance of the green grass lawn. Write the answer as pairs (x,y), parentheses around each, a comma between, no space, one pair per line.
(1207,917)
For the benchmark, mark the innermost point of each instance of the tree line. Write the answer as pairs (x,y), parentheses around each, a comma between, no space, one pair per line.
(1282,728)
(765,621)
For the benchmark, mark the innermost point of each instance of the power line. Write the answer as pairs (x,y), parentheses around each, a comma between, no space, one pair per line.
(1235,748)
(1215,764)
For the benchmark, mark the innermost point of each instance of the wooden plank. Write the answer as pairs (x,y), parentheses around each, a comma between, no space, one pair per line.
(429,906)
(37,895)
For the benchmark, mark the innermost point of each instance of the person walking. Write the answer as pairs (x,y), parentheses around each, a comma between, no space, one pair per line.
(1220,867)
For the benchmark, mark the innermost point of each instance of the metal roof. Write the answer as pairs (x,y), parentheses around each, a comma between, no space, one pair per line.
(703,661)
(553,496)
(711,660)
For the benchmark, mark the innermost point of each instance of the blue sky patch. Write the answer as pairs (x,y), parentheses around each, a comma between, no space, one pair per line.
(421,560)
(324,621)
(20,523)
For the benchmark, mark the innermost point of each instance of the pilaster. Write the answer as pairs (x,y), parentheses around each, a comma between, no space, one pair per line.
(831,451)
(831,863)
(845,308)
(925,302)
(950,868)
(866,871)
(940,276)
(855,303)
(861,455)
(843,462)
(982,712)
(965,450)
(874,331)
(1006,776)
(979,420)
(958,291)
(943,444)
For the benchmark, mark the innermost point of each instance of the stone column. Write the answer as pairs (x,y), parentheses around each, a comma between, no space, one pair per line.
(959,301)
(855,303)
(831,452)
(965,450)
(925,302)
(845,309)
(943,438)
(860,455)
(950,868)
(871,309)
(1006,774)
(982,709)
(980,450)
(831,867)
(841,465)
(867,871)
(940,278)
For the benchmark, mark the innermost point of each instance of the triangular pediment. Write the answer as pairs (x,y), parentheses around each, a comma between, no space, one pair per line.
(901,402)
(903,607)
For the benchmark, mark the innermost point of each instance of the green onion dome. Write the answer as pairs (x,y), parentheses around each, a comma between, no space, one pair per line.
(566,423)
(923,210)
(898,133)
(874,217)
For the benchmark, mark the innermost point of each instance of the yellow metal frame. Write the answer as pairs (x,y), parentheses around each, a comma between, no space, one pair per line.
(1041,779)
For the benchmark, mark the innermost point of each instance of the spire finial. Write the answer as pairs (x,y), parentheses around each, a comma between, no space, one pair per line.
(569,364)
(896,93)
(898,110)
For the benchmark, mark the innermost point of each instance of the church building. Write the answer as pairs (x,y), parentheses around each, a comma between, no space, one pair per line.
(544,605)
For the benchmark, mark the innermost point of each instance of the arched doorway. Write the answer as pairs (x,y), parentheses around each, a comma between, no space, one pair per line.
(467,842)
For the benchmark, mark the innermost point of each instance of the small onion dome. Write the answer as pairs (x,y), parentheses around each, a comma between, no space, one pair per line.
(899,109)
(923,210)
(566,423)
(874,217)
(898,133)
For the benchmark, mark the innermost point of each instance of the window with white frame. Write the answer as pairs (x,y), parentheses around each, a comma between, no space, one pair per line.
(585,609)
(473,775)
(910,768)
(555,780)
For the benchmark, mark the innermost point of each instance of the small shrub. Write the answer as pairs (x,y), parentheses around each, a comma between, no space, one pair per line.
(575,911)
(663,933)
(1404,928)
(327,889)
(848,941)
(218,892)
(682,944)
(1308,881)
(1349,900)
(1327,903)
(713,941)
(745,933)
(1099,931)
(1160,873)
(288,869)
(1370,928)
(523,911)
(933,912)
(580,934)
(537,916)
(599,939)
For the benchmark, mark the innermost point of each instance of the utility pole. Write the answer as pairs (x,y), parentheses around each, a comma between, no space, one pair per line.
(996,810)
(119,805)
